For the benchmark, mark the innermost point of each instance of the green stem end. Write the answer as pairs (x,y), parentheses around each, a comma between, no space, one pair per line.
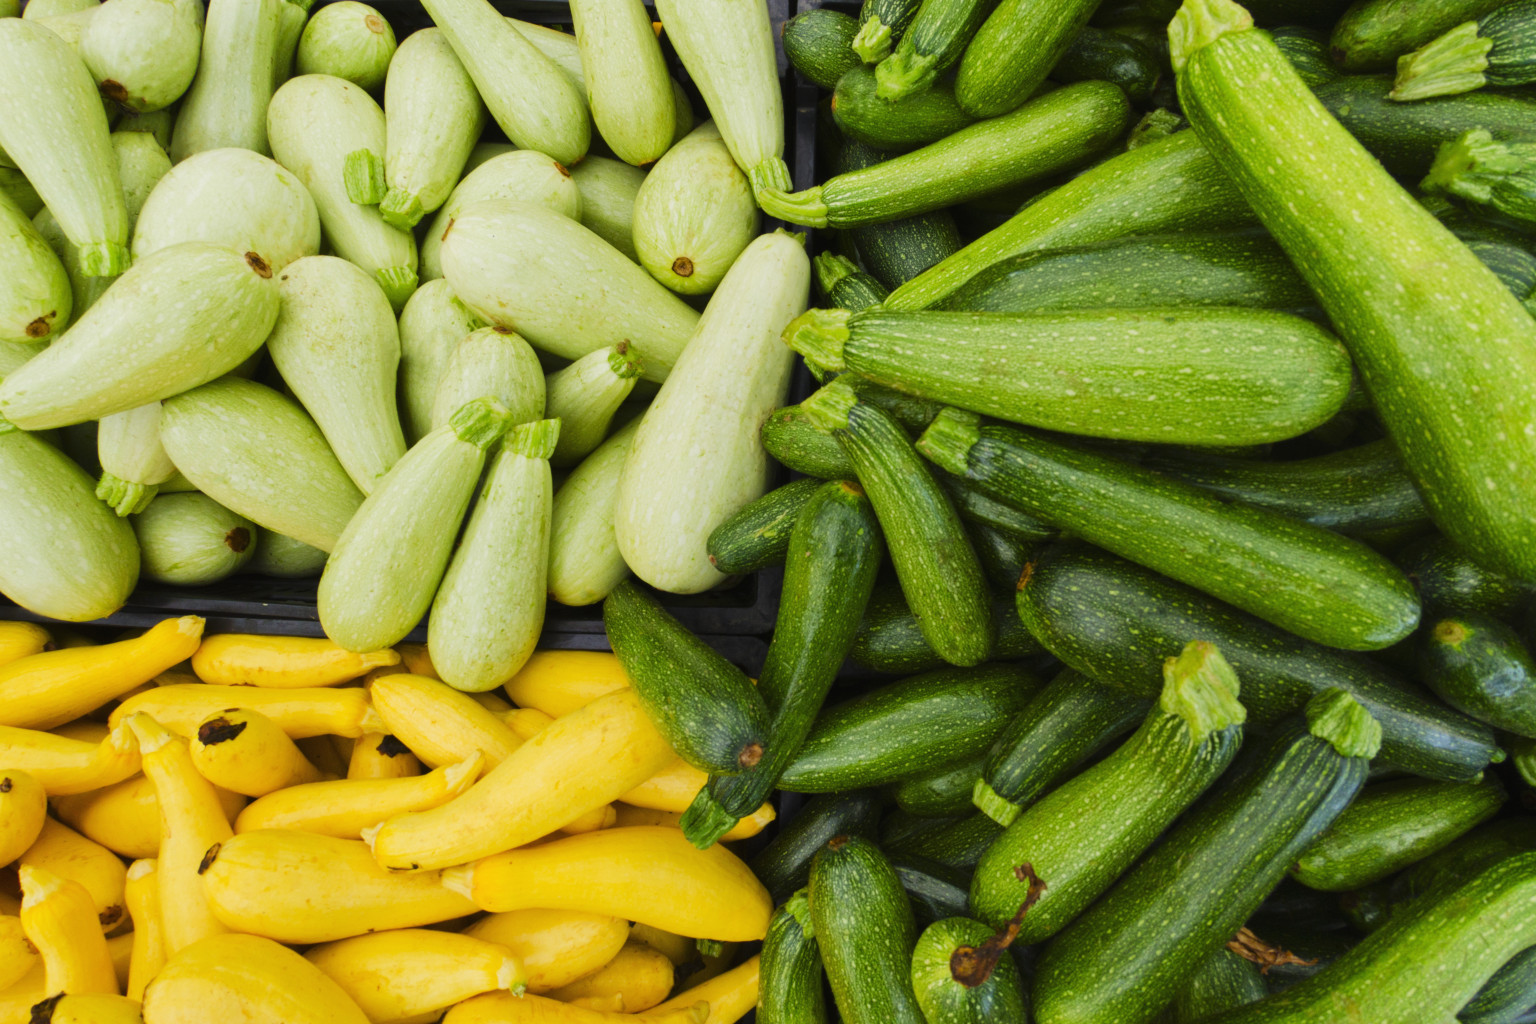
(1200,687)
(904,74)
(104,259)
(399,284)
(480,422)
(873,41)
(795,207)
(400,209)
(831,270)
(705,821)
(124,497)
(948,441)
(772,173)
(993,805)
(1335,716)
(820,335)
(798,907)
(1201,22)
(363,175)
(828,409)
(625,362)
(1453,63)
(534,440)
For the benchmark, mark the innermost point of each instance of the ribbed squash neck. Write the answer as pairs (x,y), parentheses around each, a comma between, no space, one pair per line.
(1453,63)
(795,207)
(873,41)
(948,441)
(480,422)
(1199,23)
(1335,716)
(831,270)
(1475,164)
(820,335)
(828,408)
(1200,687)
(798,907)
(533,440)
(705,820)
(995,806)
(624,361)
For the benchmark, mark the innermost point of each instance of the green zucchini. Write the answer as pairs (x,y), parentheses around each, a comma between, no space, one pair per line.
(338,349)
(1402,295)
(846,286)
(528,95)
(1002,556)
(1515,266)
(222,436)
(1080,837)
(835,550)
(791,438)
(1131,952)
(890,639)
(35,299)
(962,975)
(629,89)
(607,190)
(63,554)
(1459,861)
(431,326)
(390,559)
(942,793)
(230,197)
(935,891)
(784,865)
(55,131)
(933,558)
(880,26)
(818,44)
(496,257)
(1373,34)
(1354,490)
(1477,664)
(521,174)
(189,540)
(1232,268)
(1267,376)
(495,362)
(585,397)
(584,560)
(907,728)
(789,989)
(1450,581)
(226,105)
(697,459)
(1392,825)
(349,40)
(1494,50)
(979,510)
(1066,602)
(727,48)
(1097,55)
(1225,980)
(899,829)
(1315,583)
(1307,50)
(694,214)
(1014,50)
(433,116)
(55,8)
(1496,179)
(864,116)
(321,128)
(1171,185)
(1052,133)
(1426,963)
(133,461)
(957,844)
(1065,724)
(898,251)
(488,613)
(939,33)
(176,319)
(143,54)
(1507,995)
(865,930)
(704,706)
(285,558)
(757,536)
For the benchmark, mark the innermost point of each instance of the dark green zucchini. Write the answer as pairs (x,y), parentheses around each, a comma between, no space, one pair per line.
(789,436)
(890,640)
(962,975)
(1313,582)
(1100,55)
(1498,49)
(978,509)
(864,928)
(704,706)
(943,792)
(1082,835)
(1229,268)
(1477,664)
(959,845)
(1510,992)
(1295,907)
(935,890)
(784,865)
(1066,723)
(1223,981)
(935,39)
(933,558)
(835,551)
(899,829)
(789,983)
(907,728)
(758,535)
(1116,621)
(845,285)
(1318,13)
(1002,556)
(881,23)
(915,121)
(819,44)
(1131,953)
(1307,50)
(1515,266)
(899,250)
(1354,491)
(1392,825)
(1449,581)
(1373,34)
(1497,840)
(1496,179)
(1311,953)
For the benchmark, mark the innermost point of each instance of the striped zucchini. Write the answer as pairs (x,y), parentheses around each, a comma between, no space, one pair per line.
(757,536)
(937,36)
(791,968)
(133,461)
(817,44)
(1406,295)
(1496,50)
(890,639)
(1224,981)
(864,116)
(35,297)
(431,325)
(143,54)
(584,560)
(1450,581)
(881,24)
(190,540)
(629,89)
(585,397)
(1373,34)
(521,174)
(1014,50)
(607,189)
(490,362)
(844,285)
(349,40)
(226,105)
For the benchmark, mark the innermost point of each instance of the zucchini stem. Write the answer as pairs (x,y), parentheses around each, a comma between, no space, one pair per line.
(124,497)
(798,907)
(819,335)
(104,259)
(533,440)
(948,441)
(772,173)
(1335,716)
(904,74)
(795,207)
(401,209)
(971,966)
(624,361)
(989,802)
(1200,687)
(1453,63)
(828,408)
(1200,23)
(363,174)
(480,422)
(399,283)
(1472,166)
(705,820)
(873,41)
(831,270)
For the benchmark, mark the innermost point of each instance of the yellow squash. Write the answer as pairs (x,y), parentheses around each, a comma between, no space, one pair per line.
(125,817)
(344,808)
(23,809)
(639,977)
(316,711)
(59,918)
(559,682)
(149,953)
(282,662)
(244,751)
(21,639)
(378,755)
(729,995)
(505,1008)
(17,957)
(745,828)
(439,724)
(247,979)
(555,946)
(65,766)
(91,1009)
(412,972)
(60,850)
(671,789)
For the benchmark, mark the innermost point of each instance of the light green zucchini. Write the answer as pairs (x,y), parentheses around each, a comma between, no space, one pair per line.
(143,53)
(227,103)
(63,554)
(133,461)
(433,117)
(698,456)
(584,559)
(156,123)
(19,190)
(560,47)
(285,558)
(522,266)
(683,120)
(608,189)
(727,47)
(494,362)
(521,174)
(628,87)
(35,296)
(349,40)
(290,29)
(585,397)
(337,347)
(484,151)
(13,356)
(70,27)
(432,324)
(694,214)
(230,197)
(318,126)
(529,97)
(40,9)
(222,437)
(55,131)
(189,540)
(489,611)
(177,319)
(386,567)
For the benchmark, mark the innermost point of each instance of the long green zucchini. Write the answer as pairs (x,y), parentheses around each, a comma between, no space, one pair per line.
(938,35)
(864,116)
(1450,581)
(865,930)
(790,991)
(1113,373)
(1224,981)
(1116,622)
(1448,355)
(1014,50)
(758,535)
(890,639)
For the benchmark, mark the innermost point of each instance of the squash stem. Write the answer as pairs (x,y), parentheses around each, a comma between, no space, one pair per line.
(971,966)
(1474,165)
(1201,22)
(948,441)
(104,259)
(772,173)
(124,497)
(709,947)
(401,209)
(831,270)
(828,408)
(533,440)
(1201,688)
(705,820)
(399,283)
(798,907)
(625,362)
(795,207)
(994,806)
(819,335)
(480,422)
(1451,64)
(363,174)
(904,74)
(873,41)
(1335,716)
